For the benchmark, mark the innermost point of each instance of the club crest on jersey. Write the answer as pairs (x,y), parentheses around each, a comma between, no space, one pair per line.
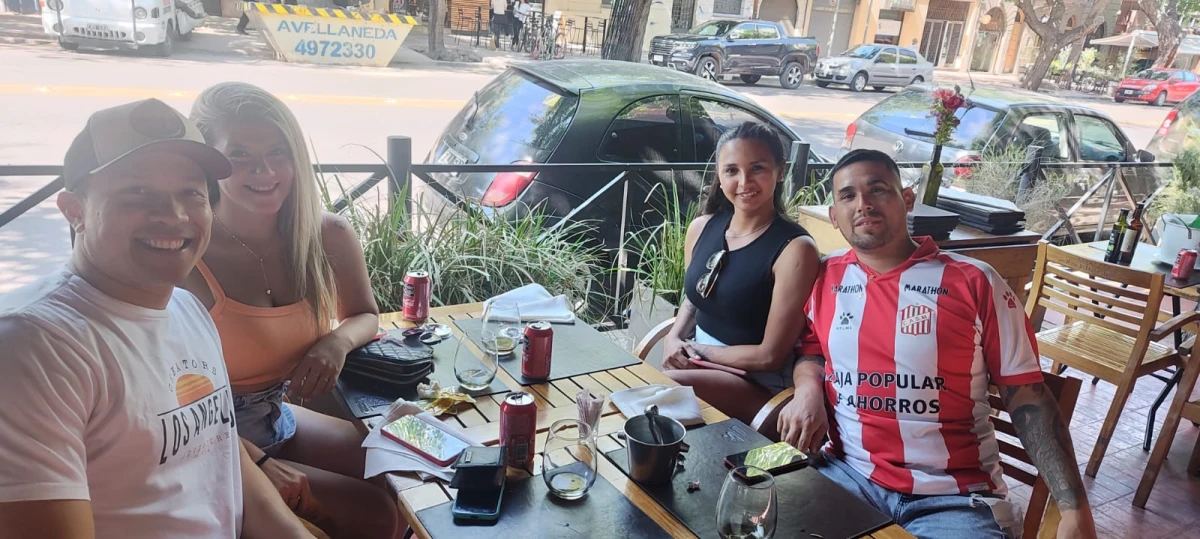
(916,320)
(1011,299)
(844,320)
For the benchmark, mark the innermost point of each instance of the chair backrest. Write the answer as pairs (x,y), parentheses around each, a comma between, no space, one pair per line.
(1015,460)
(1115,297)
(1014,263)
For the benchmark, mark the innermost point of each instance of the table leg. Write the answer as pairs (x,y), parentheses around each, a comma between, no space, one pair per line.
(1171,382)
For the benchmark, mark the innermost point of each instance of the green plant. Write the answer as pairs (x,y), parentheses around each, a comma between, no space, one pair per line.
(998,176)
(472,255)
(660,249)
(1182,193)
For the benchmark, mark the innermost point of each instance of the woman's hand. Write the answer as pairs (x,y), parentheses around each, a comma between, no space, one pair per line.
(292,485)
(676,353)
(319,370)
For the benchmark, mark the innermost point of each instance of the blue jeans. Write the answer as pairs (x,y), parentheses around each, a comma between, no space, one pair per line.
(954,516)
(264,419)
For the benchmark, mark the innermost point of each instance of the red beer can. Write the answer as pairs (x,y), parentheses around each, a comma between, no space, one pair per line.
(535,358)
(1185,262)
(417,289)
(518,426)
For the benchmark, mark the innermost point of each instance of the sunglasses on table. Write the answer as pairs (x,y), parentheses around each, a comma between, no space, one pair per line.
(708,281)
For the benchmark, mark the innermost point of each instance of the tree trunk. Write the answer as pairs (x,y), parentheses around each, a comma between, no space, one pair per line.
(1041,66)
(626,30)
(1068,76)
(437,16)
(1170,35)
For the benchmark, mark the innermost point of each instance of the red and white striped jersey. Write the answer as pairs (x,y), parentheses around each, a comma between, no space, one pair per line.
(909,355)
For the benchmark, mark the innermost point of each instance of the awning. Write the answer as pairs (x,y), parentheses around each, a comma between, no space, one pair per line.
(1140,39)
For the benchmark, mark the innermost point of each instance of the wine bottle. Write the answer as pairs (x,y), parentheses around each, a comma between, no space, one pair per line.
(1133,234)
(1113,253)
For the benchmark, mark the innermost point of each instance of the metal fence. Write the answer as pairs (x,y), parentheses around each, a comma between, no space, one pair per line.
(582,36)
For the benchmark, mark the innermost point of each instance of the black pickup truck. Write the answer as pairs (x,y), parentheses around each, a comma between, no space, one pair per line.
(750,49)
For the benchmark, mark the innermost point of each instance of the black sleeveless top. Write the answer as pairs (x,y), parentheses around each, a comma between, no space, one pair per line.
(735,313)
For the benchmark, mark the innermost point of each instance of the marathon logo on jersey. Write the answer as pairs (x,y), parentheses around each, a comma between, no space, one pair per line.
(927,290)
(204,418)
(916,320)
(846,289)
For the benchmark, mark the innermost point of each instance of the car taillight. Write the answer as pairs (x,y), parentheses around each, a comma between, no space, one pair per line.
(818,49)
(850,131)
(963,172)
(1166,125)
(506,187)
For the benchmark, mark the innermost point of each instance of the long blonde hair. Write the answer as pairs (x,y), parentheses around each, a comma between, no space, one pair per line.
(301,215)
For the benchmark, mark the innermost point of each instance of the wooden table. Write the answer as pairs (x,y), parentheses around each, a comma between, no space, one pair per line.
(815,219)
(555,401)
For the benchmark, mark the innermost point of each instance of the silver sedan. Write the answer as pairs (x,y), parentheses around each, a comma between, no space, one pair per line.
(877,66)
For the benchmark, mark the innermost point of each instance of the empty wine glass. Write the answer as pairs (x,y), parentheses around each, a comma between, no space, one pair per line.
(501,327)
(569,461)
(747,506)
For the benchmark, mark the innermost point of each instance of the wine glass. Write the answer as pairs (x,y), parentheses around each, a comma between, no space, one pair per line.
(569,460)
(501,327)
(473,373)
(747,506)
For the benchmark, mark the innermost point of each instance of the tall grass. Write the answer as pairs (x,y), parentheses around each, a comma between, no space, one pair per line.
(660,248)
(1182,193)
(998,176)
(473,255)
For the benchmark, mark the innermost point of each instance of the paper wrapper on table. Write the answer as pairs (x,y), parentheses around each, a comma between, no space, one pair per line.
(590,408)
(676,402)
(386,455)
(536,304)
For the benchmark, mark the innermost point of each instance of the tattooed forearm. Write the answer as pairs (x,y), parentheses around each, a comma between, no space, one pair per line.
(1046,438)
(819,360)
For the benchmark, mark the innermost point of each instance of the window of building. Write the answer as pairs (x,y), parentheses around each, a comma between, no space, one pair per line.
(888,30)
(645,132)
(728,7)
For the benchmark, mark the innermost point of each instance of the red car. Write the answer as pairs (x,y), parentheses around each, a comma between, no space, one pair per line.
(1157,86)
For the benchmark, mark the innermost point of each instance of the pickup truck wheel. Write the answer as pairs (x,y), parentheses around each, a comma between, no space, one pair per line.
(859,82)
(751,79)
(792,76)
(707,69)
(68,46)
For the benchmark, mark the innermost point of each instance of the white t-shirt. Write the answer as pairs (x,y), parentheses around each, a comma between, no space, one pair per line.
(125,406)
(522,10)
(499,7)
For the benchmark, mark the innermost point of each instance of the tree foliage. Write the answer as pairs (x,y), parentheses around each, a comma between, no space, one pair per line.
(1165,18)
(1053,31)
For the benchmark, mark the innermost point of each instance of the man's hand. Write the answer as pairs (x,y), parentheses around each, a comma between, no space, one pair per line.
(292,485)
(803,422)
(1076,525)
(676,353)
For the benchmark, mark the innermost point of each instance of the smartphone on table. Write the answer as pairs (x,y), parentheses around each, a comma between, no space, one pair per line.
(775,459)
(478,503)
(427,439)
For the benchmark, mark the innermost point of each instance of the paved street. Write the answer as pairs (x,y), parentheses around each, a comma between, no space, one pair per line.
(347,113)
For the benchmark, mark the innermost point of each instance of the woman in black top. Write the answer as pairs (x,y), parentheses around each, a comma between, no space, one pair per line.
(750,271)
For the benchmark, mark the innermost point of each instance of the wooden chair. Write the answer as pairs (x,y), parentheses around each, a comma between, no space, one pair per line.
(1014,263)
(1041,516)
(1110,332)
(1181,408)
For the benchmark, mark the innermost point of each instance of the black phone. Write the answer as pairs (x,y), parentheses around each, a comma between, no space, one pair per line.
(478,503)
(775,459)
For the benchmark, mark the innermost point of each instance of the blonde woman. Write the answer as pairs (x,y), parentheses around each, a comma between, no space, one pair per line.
(277,275)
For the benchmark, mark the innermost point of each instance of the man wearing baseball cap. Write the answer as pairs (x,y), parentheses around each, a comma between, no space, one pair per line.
(116,416)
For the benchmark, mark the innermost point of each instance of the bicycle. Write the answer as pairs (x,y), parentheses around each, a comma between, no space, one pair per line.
(550,42)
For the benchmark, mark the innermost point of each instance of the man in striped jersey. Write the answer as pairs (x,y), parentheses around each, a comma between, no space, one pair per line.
(902,342)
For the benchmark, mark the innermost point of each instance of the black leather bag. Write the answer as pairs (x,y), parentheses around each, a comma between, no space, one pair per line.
(391,360)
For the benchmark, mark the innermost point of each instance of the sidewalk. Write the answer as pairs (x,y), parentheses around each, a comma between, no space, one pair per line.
(1011,81)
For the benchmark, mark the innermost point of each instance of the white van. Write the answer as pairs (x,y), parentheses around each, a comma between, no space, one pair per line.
(125,24)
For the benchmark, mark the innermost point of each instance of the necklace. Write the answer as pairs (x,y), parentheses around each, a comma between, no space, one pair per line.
(262,266)
(750,233)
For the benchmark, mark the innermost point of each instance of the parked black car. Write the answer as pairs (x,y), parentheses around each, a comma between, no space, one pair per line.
(750,49)
(585,111)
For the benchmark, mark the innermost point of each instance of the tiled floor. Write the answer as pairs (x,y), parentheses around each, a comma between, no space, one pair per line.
(1173,510)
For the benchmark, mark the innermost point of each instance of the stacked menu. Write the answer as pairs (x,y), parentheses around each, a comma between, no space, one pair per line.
(929,221)
(989,214)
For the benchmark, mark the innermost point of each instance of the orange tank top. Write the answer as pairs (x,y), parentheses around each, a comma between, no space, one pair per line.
(260,344)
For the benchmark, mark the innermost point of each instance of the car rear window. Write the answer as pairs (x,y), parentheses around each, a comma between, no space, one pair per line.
(908,114)
(515,118)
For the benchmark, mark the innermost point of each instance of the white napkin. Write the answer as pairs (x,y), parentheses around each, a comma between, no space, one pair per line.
(386,455)
(676,402)
(535,304)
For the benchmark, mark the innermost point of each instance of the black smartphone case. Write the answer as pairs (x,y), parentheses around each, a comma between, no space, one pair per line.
(479,468)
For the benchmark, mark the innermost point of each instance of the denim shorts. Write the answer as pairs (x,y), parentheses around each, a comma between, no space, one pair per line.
(773,381)
(952,516)
(264,419)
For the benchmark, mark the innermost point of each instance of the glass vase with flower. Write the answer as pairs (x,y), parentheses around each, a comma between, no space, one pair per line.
(946,104)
